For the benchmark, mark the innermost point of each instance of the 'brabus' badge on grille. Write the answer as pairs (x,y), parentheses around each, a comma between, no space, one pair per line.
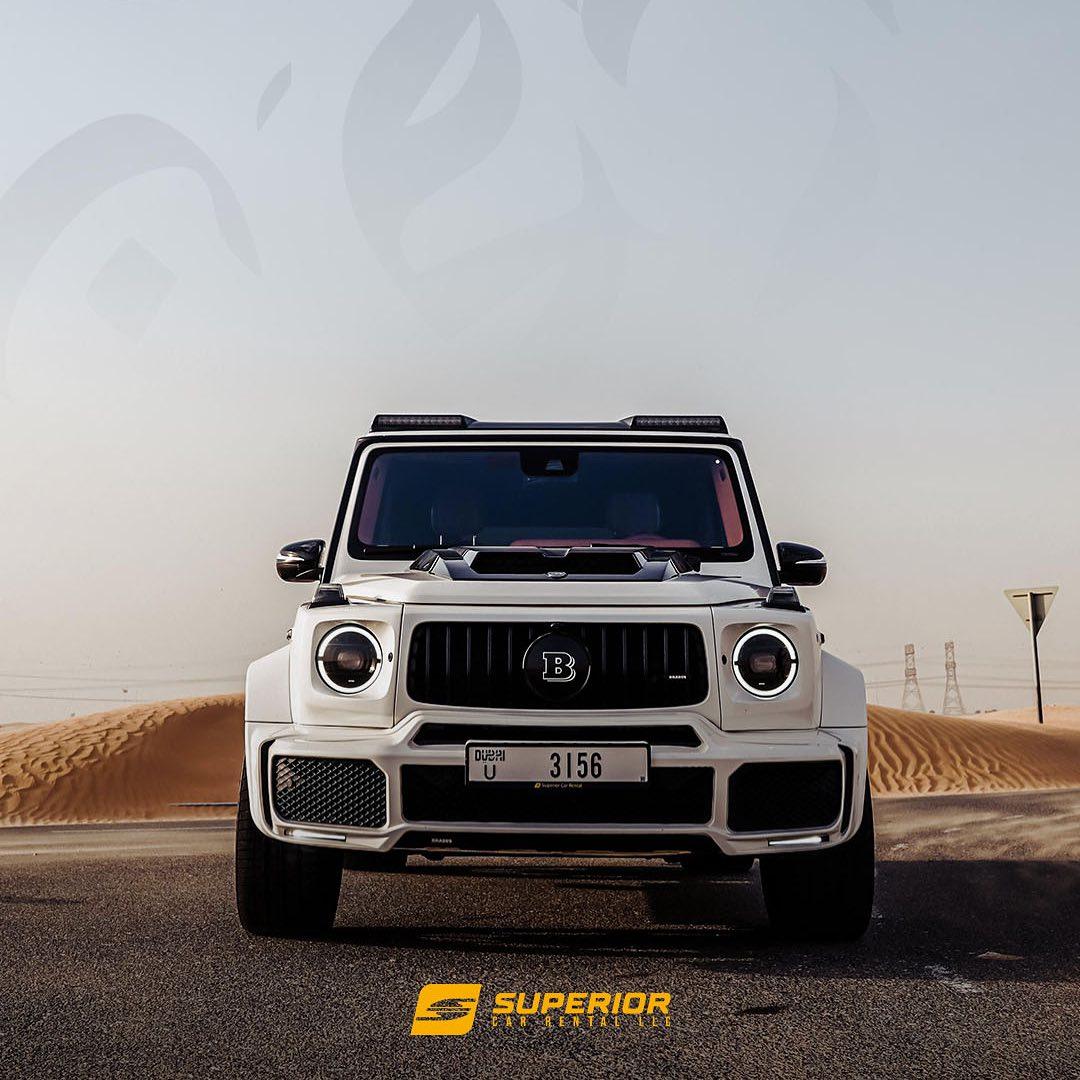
(556,666)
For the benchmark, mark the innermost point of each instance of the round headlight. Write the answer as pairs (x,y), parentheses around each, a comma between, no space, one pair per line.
(764,661)
(348,658)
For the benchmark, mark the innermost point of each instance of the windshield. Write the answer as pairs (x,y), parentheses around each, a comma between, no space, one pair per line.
(415,499)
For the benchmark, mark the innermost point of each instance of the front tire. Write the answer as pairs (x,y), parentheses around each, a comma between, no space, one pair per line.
(282,890)
(824,895)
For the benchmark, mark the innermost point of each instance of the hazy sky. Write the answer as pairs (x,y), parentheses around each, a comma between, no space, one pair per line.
(229,234)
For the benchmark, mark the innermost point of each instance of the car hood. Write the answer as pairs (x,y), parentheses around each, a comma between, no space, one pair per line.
(418,587)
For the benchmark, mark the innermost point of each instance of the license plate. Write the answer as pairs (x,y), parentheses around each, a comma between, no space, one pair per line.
(623,763)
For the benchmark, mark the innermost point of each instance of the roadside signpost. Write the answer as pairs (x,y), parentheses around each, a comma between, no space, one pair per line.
(1033,605)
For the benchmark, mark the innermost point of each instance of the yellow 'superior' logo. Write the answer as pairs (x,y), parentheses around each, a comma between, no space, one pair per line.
(446,1008)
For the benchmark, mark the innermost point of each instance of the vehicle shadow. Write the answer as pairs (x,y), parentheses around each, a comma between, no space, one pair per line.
(1014,920)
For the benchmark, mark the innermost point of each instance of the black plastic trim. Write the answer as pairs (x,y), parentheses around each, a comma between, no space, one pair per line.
(454,842)
(328,596)
(600,563)
(330,554)
(759,517)
(436,733)
(849,786)
(524,425)
(672,795)
(784,598)
(264,766)
(458,421)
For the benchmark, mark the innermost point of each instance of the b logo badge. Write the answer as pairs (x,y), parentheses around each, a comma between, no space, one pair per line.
(556,666)
(446,1008)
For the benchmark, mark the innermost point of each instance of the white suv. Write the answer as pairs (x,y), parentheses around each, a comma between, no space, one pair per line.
(554,639)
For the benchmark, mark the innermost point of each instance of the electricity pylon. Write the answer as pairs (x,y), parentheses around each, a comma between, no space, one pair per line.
(953,704)
(912,699)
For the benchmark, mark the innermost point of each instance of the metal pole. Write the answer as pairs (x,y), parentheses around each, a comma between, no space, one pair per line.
(1035,656)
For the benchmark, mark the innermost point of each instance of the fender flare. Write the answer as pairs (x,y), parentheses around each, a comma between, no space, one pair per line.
(843,694)
(266,702)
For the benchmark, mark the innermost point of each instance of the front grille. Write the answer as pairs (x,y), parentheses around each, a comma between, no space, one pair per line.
(675,796)
(329,791)
(438,734)
(775,796)
(633,665)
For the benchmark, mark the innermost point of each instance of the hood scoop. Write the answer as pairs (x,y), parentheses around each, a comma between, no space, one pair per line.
(553,564)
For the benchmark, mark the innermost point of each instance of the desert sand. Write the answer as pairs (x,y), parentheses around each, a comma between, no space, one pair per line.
(130,764)
(925,754)
(139,763)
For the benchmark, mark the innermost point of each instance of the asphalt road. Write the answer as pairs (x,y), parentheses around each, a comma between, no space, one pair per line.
(120,955)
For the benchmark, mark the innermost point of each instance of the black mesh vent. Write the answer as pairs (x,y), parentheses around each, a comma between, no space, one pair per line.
(438,734)
(439,793)
(633,665)
(329,791)
(771,797)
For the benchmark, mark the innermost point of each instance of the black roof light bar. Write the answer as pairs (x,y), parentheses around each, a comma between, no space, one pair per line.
(418,421)
(458,422)
(715,424)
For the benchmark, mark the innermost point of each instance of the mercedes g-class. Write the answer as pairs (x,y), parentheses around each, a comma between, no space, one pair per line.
(554,639)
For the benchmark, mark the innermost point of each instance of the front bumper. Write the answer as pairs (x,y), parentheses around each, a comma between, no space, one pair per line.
(391,750)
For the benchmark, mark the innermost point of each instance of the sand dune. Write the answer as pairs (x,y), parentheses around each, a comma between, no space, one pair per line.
(921,753)
(131,764)
(138,763)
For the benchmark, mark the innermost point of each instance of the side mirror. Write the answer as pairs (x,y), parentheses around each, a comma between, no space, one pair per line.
(801,564)
(300,561)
